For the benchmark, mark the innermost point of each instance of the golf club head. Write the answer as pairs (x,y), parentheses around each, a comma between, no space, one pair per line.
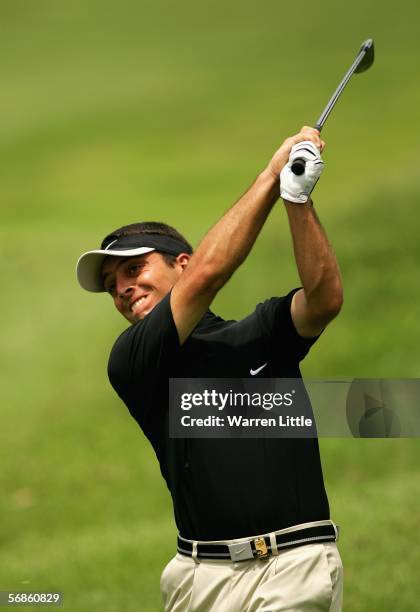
(368,57)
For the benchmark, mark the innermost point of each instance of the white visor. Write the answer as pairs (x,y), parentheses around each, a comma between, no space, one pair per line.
(89,266)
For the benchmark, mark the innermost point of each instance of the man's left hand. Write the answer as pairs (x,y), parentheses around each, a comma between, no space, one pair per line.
(297,188)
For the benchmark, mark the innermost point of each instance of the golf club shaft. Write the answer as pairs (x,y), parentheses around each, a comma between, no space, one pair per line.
(331,102)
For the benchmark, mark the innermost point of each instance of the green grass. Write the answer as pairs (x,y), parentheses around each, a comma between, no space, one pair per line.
(166,111)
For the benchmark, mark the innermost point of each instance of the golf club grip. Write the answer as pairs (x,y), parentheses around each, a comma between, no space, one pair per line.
(298,167)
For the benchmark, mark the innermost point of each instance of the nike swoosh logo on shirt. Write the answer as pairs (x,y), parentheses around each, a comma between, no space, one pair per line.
(254,372)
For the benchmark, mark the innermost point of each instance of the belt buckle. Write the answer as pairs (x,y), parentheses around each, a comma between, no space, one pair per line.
(241,551)
(261,549)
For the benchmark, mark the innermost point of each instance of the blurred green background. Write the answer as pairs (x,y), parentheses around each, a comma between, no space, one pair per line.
(112,113)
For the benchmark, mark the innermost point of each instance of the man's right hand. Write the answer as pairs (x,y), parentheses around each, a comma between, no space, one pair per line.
(281,156)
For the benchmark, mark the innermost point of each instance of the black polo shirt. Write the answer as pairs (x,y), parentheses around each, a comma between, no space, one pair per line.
(221,488)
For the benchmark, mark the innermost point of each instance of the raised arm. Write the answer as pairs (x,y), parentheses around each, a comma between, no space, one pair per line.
(320,300)
(226,244)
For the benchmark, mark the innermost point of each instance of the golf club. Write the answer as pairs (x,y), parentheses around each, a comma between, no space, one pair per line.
(363,61)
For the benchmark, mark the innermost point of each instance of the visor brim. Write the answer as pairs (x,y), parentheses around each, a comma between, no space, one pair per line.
(89,266)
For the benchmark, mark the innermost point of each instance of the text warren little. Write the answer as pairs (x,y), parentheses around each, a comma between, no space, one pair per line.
(239,421)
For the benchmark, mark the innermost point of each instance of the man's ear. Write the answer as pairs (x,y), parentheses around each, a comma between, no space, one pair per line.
(183,259)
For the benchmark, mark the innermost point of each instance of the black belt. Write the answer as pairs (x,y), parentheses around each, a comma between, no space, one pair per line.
(259,548)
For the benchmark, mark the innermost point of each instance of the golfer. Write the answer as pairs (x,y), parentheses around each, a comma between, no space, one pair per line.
(253,516)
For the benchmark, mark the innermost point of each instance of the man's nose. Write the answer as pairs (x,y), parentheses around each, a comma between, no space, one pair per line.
(124,289)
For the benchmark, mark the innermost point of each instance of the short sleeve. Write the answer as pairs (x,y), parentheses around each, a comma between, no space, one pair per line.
(277,325)
(140,363)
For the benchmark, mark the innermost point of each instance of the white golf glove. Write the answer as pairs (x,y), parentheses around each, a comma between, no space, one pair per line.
(296,188)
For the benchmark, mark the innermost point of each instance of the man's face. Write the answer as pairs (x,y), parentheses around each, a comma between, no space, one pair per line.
(138,283)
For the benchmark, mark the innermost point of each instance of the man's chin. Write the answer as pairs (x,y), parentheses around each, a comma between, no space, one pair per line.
(139,316)
(133,318)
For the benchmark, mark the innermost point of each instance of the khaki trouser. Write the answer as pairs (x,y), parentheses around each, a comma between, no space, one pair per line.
(303,579)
